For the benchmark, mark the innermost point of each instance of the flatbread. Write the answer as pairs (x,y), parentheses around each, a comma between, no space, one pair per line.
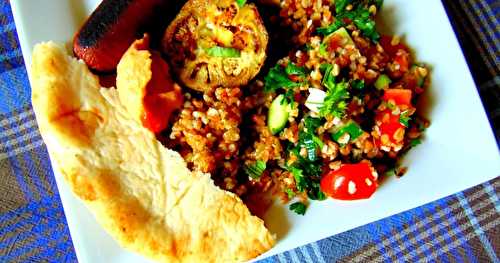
(142,193)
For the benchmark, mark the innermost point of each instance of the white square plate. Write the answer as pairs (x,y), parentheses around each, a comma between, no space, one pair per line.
(459,150)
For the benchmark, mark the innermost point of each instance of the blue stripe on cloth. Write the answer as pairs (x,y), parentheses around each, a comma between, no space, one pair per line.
(15,91)
(281,258)
(489,21)
(485,38)
(34,171)
(351,241)
(477,228)
(22,183)
(28,124)
(412,248)
(10,54)
(47,231)
(8,27)
(311,253)
(454,230)
(30,135)
(493,196)
(441,234)
(297,256)
(317,252)
(292,256)
(434,230)
(305,253)
(445,232)
(377,238)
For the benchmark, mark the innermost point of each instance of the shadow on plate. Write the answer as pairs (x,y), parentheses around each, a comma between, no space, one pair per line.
(276,220)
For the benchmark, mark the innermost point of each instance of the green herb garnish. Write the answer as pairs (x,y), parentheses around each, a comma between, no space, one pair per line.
(241,3)
(308,138)
(391,172)
(336,94)
(292,69)
(255,170)
(224,52)
(352,128)
(290,193)
(359,15)
(335,102)
(299,208)
(300,181)
(415,142)
(278,78)
(404,118)
(358,84)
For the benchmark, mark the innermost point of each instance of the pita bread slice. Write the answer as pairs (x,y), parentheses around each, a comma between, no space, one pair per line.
(142,193)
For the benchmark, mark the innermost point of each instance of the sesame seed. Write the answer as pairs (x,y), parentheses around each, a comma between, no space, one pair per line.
(351,187)
(368,182)
(338,182)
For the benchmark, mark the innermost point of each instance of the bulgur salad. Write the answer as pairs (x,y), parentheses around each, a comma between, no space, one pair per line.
(330,119)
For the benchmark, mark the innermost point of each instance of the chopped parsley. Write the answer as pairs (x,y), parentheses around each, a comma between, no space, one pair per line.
(404,118)
(391,172)
(255,170)
(299,208)
(359,15)
(358,84)
(306,172)
(300,181)
(290,193)
(292,69)
(415,142)
(308,138)
(336,95)
(278,78)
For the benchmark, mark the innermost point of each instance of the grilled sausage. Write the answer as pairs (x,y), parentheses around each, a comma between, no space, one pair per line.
(110,30)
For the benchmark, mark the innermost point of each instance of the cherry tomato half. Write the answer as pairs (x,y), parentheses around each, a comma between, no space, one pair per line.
(350,182)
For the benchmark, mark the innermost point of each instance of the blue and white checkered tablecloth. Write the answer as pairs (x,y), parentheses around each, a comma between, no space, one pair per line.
(458,228)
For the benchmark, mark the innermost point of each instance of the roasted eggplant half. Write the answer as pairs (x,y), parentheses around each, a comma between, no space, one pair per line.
(214,43)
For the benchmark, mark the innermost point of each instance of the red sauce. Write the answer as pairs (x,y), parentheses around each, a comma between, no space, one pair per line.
(163,95)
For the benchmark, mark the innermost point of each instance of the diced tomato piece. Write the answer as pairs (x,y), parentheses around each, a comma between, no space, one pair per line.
(388,127)
(399,96)
(350,182)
